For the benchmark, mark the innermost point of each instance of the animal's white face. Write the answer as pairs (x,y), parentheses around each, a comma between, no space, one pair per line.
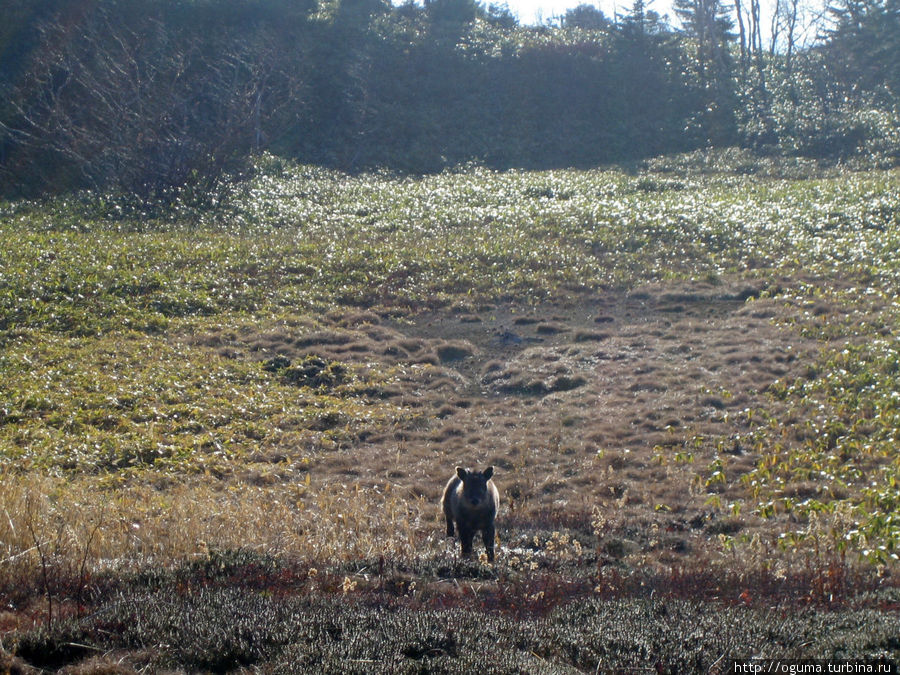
(475,490)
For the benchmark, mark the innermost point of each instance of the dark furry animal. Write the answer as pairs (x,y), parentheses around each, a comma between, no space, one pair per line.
(471,501)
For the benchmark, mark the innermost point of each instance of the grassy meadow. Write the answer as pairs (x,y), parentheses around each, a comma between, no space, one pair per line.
(225,427)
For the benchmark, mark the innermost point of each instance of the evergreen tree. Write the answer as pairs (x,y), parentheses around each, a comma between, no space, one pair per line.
(707,28)
(584,16)
(864,46)
(652,90)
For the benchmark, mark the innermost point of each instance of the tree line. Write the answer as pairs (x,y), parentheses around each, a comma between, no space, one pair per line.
(149,95)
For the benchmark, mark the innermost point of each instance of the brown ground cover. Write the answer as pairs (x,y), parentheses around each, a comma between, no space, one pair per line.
(613,401)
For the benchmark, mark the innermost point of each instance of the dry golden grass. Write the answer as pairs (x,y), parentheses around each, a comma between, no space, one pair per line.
(76,524)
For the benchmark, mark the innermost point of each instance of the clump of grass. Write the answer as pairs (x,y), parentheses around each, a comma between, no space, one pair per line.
(58,535)
(836,470)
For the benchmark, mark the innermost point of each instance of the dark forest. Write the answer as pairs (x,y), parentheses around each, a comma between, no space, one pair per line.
(147,95)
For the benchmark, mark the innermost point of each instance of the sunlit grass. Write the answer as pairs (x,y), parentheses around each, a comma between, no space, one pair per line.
(308,238)
(126,402)
(131,527)
(100,302)
(840,432)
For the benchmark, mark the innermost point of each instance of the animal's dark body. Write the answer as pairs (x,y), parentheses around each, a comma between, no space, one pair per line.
(470,503)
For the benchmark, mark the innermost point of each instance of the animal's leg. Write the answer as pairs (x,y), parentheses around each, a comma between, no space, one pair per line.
(466,535)
(448,510)
(487,535)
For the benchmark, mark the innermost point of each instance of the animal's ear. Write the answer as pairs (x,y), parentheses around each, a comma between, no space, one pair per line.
(488,472)
(461,472)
